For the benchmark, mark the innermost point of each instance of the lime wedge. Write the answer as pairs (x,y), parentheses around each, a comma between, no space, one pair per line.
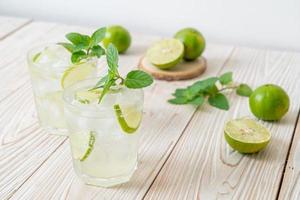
(82,145)
(77,73)
(246,135)
(129,118)
(165,54)
(87,97)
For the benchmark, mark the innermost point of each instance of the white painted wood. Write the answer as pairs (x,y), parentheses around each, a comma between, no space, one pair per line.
(9,25)
(162,126)
(290,188)
(202,165)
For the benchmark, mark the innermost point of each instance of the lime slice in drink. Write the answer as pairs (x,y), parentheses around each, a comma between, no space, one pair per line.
(165,54)
(87,97)
(129,118)
(246,135)
(82,145)
(77,73)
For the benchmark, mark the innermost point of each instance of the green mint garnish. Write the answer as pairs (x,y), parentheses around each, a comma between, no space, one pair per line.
(244,90)
(84,46)
(135,79)
(210,89)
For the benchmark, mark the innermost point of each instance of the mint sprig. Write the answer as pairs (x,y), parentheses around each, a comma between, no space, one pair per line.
(83,46)
(134,79)
(210,89)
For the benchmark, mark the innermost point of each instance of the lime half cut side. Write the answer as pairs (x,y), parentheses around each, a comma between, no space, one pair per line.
(246,135)
(166,53)
(129,118)
(77,73)
(82,145)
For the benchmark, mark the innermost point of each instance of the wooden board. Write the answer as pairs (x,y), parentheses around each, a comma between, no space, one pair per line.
(182,71)
(202,166)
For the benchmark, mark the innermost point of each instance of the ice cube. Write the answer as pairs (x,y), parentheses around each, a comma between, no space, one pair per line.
(54,56)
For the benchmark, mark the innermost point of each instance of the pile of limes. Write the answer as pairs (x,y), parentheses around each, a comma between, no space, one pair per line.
(187,44)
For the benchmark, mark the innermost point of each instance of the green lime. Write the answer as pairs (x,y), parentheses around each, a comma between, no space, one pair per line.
(119,36)
(194,43)
(82,144)
(166,53)
(269,102)
(77,73)
(246,135)
(129,118)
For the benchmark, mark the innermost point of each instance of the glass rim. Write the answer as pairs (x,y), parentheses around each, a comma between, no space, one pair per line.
(60,68)
(68,96)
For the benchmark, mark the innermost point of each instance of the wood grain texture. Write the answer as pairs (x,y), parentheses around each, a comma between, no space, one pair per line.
(290,188)
(23,145)
(162,126)
(9,25)
(202,166)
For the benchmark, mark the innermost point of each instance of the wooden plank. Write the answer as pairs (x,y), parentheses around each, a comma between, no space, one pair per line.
(202,166)
(9,25)
(23,145)
(162,126)
(290,188)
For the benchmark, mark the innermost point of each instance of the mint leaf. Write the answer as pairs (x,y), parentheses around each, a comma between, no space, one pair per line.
(98,36)
(226,78)
(198,101)
(97,51)
(79,40)
(68,46)
(106,87)
(178,100)
(219,101)
(244,90)
(138,79)
(100,83)
(77,56)
(112,57)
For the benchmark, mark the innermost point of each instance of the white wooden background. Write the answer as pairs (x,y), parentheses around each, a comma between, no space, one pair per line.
(182,154)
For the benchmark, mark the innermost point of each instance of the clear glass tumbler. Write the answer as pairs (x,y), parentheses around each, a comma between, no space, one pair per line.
(103,137)
(51,69)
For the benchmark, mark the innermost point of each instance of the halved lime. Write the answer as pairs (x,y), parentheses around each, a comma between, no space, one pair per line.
(82,145)
(87,97)
(246,135)
(129,118)
(77,73)
(166,53)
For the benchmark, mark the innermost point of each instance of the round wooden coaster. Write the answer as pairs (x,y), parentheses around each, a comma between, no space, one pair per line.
(182,71)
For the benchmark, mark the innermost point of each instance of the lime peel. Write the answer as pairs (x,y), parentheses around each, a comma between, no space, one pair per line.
(246,135)
(90,148)
(123,123)
(36,57)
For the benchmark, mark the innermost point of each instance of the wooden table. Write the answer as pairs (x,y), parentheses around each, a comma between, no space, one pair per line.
(182,154)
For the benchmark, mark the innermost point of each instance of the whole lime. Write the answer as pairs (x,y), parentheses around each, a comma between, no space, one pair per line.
(119,36)
(193,41)
(269,102)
